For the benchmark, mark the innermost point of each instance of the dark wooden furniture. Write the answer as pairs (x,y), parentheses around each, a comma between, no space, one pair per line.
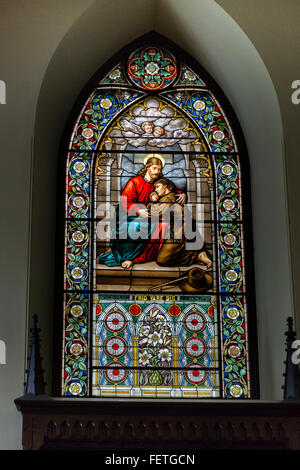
(60,423)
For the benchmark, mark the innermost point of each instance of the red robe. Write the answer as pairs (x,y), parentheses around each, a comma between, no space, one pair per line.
(137,193)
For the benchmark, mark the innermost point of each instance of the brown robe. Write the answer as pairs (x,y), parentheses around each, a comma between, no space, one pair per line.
(172,252)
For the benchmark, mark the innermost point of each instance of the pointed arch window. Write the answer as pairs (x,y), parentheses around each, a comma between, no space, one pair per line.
(160,306)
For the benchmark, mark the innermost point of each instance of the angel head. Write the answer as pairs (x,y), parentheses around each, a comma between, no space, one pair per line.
(147,127)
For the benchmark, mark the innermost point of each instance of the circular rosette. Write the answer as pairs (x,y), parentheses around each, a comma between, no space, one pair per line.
(77,273)
(232,312)
(115,372)
(200,105)
(115,321)
(135,310)
(194,322)
(76,349)
(228,207)
(229,237)
(227,170)
(220,138)
(87,132)
(235,350)
(115,347)
(194,374)
(174,310)
(105,105)
(79,168)
(77,309)
(152,68)
(194,347)
(77,235)
(78,204)
(236,390)
(232,277)
(76,388)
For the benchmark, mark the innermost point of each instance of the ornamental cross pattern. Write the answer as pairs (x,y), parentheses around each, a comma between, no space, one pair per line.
(152,68)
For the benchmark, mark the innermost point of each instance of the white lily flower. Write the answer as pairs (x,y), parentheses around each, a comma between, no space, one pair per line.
(155,338)
(165,354)
(145,330)
(145,358)
(160,320)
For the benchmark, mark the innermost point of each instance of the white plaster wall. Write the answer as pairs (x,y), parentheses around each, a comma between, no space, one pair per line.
(51,50)
(29,33)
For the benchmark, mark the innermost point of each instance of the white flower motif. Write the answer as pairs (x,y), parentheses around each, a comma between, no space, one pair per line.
(152,68)
(76,310)
(115,74)
(77,273)
(218,135)
(155,338)
(233,313)
(234,351)
(227,169)
(79,167)
(228,204)
(199,105)
(78,236)
(105,103)
(236,390)
(164,355)
(160,320)
(229,239)
(78,202)
(189,75)
(75,388)
(231,275)
(76,349)
(144,341)
(87,133)
(145,358)
(145,330)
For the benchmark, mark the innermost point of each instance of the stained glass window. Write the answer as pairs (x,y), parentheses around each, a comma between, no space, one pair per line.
(155,298)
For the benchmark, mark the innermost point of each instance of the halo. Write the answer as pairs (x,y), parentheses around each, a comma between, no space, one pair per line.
(155,155)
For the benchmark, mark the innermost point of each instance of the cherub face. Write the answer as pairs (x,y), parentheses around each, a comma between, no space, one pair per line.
(147,128)
(158,131)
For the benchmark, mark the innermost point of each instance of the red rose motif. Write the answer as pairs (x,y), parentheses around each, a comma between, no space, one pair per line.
(174,310)
(135,309)
(98,309)
(211,310)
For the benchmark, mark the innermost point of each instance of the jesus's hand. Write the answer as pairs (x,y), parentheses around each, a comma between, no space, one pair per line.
(181,198)
(143,213)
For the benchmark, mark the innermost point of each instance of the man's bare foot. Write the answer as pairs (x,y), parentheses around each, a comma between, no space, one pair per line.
(127,264)
(204,259)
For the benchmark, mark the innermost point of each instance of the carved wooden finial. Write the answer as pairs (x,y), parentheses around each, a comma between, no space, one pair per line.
(292,374)
(35,384)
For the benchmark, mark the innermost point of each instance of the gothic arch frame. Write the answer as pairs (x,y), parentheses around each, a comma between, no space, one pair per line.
(157,39)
